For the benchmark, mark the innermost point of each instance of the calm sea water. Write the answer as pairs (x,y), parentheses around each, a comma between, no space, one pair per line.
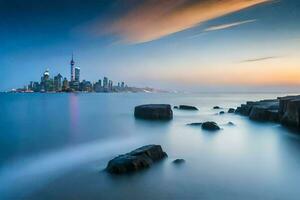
(55,146)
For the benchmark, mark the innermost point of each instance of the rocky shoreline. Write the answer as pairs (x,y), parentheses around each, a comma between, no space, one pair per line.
(283,110)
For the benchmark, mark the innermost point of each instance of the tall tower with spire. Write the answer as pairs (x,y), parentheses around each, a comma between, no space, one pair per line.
(72,69)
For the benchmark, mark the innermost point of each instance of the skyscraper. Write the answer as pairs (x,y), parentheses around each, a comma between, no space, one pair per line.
(72,69)
(105,82)
(77,74)
(58,82)
(65,85)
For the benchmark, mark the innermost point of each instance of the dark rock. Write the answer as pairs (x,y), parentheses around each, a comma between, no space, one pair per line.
(138,159)
(291,115)
(221,112)
(231,110)
(154,112)
(210,126)
(245,109)
(284,110)
(216,107)
(186,107)
(178,161)
(195,124)
(230,123)
(175,107)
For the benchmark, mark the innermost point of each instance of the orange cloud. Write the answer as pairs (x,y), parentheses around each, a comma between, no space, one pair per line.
(154,19)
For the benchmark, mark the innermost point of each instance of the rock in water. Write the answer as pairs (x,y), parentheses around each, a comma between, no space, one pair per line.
(289,111)
(138,159)
(175,107)
(195,124)
(154,112)
(216,107)
(179,161)
(231,110)
(210,126)
(186,107)
(230,123)
(221,112)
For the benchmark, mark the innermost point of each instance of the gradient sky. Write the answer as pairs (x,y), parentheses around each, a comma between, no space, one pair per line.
(196,45)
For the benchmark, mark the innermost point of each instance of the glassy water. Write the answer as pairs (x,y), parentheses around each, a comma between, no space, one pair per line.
(55,146)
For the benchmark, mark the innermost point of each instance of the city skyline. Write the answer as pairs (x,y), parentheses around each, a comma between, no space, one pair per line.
(196,45)
(58,83)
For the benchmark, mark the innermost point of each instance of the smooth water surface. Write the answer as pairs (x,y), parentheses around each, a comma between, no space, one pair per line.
(55,146)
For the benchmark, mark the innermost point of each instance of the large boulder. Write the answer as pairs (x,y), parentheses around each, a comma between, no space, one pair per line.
(154,112)
(264,110)
(260,113)
(186,107)
(138,159)
(210,126)
(291,115)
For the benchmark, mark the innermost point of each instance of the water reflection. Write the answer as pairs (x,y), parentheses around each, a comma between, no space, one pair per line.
(67,152)
(74,116)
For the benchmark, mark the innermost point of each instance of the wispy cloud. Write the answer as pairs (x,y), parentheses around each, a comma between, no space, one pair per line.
(153,19)
(260,59)
(230,25)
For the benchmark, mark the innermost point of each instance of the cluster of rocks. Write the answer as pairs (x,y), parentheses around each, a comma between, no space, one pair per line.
(145,156)
(284,110)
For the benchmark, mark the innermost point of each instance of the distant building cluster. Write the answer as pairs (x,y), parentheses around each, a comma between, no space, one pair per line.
(60,84)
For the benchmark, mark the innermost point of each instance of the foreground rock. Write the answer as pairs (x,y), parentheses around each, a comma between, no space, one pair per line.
(284,110)
(138,159)
(210,126)
(186,107)
(154,112)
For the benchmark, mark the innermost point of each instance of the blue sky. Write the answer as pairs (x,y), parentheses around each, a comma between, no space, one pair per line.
(178,44)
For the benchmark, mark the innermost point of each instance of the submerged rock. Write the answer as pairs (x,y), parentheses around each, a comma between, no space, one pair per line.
(221,112)
(210,126)
(230,124)
(138,159)
(195,124)
(186,107)
(154,112)
(231,110)
(216,107)
(179,161)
